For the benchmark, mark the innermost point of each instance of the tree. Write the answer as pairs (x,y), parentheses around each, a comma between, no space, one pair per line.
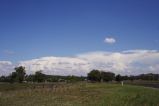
(29,78)
(132,78)
(20,73)
(118,78)
(125,77)
(13,77)
(39,76)
(2,79)
(107,76)
(94,75)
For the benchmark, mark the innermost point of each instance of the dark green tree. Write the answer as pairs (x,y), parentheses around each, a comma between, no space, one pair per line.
(3,79)
(94,75)
(39,76)
(132,78)
(107,76)
(20,73)
(13,77)
(29,78)
(118,78)
(125,77)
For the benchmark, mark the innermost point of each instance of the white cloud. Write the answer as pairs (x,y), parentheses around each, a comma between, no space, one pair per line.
(6,67)
(110,40)
(125,62)
(57,65)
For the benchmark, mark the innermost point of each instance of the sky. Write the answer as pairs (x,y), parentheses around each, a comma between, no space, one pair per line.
(63,30)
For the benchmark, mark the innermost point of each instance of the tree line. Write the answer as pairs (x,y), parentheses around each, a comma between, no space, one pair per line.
(20,76)
(102,76)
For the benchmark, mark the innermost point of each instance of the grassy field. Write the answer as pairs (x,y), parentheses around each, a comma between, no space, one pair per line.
(78,94)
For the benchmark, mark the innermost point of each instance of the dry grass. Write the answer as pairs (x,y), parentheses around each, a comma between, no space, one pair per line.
(78,94)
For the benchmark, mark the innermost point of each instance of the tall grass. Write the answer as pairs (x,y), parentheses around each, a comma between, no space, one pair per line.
(77,94)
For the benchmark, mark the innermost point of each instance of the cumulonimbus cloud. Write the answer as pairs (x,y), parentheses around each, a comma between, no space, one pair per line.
(125,62)
(6,67)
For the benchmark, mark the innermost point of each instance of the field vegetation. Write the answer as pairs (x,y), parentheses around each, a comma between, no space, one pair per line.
(77,94)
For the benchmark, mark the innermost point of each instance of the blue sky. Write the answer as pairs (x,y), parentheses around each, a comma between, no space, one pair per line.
(37,28)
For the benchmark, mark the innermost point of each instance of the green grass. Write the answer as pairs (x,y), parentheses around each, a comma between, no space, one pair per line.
(79,94)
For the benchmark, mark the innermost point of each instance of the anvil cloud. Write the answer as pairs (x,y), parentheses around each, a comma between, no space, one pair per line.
(125,62)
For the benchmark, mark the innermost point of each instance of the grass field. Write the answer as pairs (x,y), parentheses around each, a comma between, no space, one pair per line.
(78,94)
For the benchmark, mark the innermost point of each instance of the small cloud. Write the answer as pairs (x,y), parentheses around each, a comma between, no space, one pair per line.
(109,40)
(8,52)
